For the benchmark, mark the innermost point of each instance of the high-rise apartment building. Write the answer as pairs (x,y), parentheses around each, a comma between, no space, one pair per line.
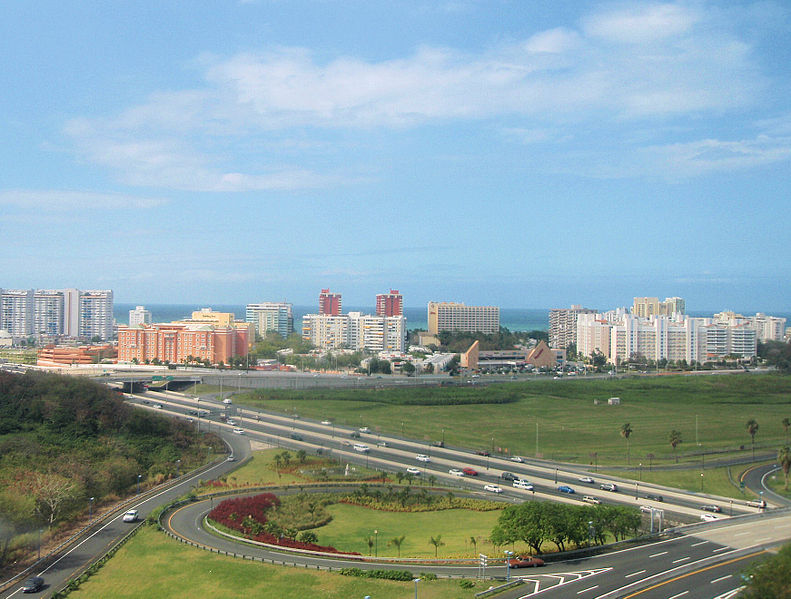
(16,312)
(356,331)
(271,316)
(329,303)
(96,314)
(139,316)
(177,342)
(452,316)
(390,304)
(563,326)
(645,307)
(48,316)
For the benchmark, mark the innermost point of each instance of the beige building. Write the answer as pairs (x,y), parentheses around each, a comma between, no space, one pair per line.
(453,316)
(645,307)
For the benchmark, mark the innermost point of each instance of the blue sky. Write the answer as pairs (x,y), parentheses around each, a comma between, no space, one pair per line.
(523,154)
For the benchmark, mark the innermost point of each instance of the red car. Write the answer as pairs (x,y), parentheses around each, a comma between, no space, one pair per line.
(525,561)
(470,472)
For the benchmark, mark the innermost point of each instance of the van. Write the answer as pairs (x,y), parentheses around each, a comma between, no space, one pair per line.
(757,503)
(523,484)
(609,487)
(361,447)
(227,401)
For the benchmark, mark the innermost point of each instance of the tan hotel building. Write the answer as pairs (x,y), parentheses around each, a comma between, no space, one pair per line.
(212,336)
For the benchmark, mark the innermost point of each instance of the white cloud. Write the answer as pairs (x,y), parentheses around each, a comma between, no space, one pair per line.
(640,23)
(75,200)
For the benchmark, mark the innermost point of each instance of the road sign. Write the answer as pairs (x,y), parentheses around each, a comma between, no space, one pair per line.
(741,484)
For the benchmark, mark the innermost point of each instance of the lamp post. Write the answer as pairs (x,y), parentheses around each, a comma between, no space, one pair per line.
(416,580)
(376,543)
(701,482)
(508,555)
(90,508)
(178,468)
(139,476)
(641,471)
(556,476)
(39,544)
(636,490)
(591,531)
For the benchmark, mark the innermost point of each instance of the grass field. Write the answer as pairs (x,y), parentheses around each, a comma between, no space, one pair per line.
(151,565)
(558,419)
(352,525)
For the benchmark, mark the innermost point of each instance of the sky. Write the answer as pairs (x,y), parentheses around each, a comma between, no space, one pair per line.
(526,154)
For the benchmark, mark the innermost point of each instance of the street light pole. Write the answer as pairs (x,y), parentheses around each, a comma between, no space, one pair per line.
(416,580)
(508,555)
(90,508)
(139,476)
(376,541)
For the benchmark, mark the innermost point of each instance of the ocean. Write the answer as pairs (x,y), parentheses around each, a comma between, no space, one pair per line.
(514,319)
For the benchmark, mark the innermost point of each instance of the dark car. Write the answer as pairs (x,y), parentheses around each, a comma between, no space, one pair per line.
(296,437)
(33,585)
(508,476)
(711,508)
(482,452)
(655,497)
(525,561)
(470,472)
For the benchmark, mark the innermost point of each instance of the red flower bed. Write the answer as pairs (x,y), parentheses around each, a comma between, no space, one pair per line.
(237,513)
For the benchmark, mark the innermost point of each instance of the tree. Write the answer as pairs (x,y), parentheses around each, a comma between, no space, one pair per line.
(786,425)
(396,542)
(16,514)
(278,464)
(370,541)
(474,543)
(675,441)
(752,428)
(308,536)
(408,368)
(52,493)
(626,431)
(437,542)
(770,578)
(784,459)
(286,457)
(399,476)
(302,456)
(598,359)
(432,480)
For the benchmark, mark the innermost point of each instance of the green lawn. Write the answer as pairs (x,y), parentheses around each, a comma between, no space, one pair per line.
(352,525)
(152,565)
(709,411)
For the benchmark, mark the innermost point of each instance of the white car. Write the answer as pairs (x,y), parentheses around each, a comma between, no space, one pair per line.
(593,500)
(227,401)
(326,422)
(422,458)
(455,472)
(586,479)
(364,429)
(414,471)
(523,484)
(709,517)
(516,458)
(158,406)
(130,516)
(646,509)
(238,431)
(231,421)
(492,488)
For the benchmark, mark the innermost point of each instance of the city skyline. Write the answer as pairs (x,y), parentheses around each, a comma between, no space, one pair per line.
(522,155)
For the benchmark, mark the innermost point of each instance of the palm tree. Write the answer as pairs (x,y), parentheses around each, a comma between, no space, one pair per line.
(397,542)
(286,457)
(370,541)
(278,463)
(474,542)
(786,424)
(784,458)
(432,480)
(675,440)
(626,430)
(437,542)
(752,428)
(302,456)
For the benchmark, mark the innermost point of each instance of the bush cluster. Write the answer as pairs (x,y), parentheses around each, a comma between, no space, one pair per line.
(405,499)
(401,575)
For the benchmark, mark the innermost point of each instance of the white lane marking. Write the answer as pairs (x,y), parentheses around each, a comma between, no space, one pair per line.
(658,554)
(634,573)
(721,578)
(682,559)
(679,595)
(739,534)
(720,549)
(701,543)
(588,589)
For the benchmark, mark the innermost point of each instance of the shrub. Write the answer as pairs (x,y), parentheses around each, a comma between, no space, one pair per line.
(466,584)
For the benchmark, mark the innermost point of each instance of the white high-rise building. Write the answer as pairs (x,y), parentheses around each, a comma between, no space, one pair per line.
(16,312)
(563,326)
(96,314)
(453,316)
(48,312)
(271,316)
(356,331)
(139,316)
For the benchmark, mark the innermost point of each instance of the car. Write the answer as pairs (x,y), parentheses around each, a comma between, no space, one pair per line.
(382,443)
(130,516)
(525,561)
(591,499)
(654,497)
(711,508)
(346,443)
(756,503)
(230,459)
(508,476)
(326,422)
(230,421)
(709,517)
(470,471)
(364,429)
(586,479)
(438,443)
(646,509)
(422,458)
(523,484)
(414,471)
(482,452)
(227,401)
(190,420)
(609,487)
(566,489)
(492,488)
(238,431)
(158,406)
(296,437)
(516,458)
(455,472)
(355,435)
(33,585)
